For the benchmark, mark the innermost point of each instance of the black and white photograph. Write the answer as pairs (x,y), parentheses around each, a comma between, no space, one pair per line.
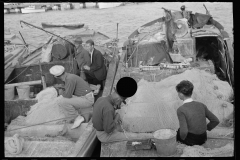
(119,79)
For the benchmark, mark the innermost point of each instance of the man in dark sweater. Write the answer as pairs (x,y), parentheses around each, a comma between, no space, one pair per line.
(107,121)
(192,117)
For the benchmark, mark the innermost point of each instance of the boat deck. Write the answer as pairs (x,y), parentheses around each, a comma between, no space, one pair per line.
(119,149)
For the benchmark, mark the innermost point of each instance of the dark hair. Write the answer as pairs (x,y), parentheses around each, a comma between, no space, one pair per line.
(185,87)
(90,42)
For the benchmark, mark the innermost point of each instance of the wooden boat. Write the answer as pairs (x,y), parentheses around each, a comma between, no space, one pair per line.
(69,26)
(136,57)
(29,72)
(102,5)
(32,9)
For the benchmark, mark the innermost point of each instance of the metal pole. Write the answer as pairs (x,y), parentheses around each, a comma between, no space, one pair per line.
(47,32)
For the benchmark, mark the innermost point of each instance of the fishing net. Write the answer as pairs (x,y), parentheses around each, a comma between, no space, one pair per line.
(48,93)
(45,149)
(46,110)
(200,151)
(154,105)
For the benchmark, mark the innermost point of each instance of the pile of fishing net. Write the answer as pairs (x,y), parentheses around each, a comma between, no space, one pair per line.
(154,105)
(45,111)
(200,151)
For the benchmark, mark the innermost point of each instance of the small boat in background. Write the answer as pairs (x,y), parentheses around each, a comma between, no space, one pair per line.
(102,5)
(65,25)
(33,9)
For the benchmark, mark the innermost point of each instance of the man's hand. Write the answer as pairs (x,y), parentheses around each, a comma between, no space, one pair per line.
(86,67)
(117,119)
(60,91)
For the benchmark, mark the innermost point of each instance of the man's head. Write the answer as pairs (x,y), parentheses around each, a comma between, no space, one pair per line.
(78,41)
(57,71)
(184,89)
(183,7)
(89,45)
(126,87)
(118,100)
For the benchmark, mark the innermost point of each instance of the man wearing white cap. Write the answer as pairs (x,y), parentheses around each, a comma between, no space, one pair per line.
(76,93)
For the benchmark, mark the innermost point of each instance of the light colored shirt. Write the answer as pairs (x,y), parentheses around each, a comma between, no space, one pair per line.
(187,100)
(91,54)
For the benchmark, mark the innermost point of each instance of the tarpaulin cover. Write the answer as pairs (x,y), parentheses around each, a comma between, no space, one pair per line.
(152,53)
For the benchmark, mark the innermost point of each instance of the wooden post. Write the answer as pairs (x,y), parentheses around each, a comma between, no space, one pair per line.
(24,83)
(96,6)
(84,5)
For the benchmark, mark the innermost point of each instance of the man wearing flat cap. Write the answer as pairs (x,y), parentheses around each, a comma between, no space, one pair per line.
(75,94)
(107,121)
(82,56)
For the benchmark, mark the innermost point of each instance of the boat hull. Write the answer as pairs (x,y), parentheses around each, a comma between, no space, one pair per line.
(102,5)
(24,10)
(69,26)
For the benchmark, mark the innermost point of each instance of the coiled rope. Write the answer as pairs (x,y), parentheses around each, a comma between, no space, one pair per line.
(14,145)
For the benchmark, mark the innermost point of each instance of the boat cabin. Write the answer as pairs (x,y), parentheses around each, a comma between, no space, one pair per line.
(151,45)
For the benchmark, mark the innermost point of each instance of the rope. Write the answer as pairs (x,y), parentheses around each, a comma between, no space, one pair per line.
(14,145)
(19,74)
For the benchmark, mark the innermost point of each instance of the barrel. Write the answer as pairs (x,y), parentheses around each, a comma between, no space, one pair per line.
(23,91)
(165,142)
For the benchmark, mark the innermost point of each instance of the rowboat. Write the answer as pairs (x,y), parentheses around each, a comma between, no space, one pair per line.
(102,5)
(148,55)
(28,72)
(66,25)
(33,9)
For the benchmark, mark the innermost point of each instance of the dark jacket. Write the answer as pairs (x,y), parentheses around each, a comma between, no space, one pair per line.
(97,66)
(82,57)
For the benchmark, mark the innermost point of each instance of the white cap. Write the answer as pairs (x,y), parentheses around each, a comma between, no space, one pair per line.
(57,70)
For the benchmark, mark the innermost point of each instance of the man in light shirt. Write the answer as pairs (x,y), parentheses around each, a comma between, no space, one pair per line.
(192,117)
(95,73)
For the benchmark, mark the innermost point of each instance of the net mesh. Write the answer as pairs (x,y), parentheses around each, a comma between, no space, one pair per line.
(154,105)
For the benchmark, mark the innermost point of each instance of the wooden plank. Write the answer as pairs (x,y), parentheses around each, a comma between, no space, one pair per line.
(119,69)
(24,83)
(110,76)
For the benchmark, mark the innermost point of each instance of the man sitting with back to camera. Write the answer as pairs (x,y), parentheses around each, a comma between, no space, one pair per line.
(192,117)
(76,93)
(95,73)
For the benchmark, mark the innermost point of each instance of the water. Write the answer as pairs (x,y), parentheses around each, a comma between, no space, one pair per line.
(129,17)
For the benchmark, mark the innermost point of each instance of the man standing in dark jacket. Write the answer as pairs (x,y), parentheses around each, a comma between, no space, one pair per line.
(192,117)
(82,56)
(95,73)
